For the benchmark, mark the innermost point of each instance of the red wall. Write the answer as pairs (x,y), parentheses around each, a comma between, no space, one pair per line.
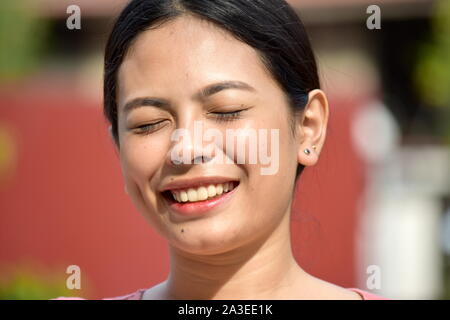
(63,201)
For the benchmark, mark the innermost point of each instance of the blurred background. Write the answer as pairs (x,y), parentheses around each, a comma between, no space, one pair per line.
(374,213)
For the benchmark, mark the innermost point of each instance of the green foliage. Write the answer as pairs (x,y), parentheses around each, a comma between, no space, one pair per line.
(433,68)
(432,73)
(22,38)
(28,282)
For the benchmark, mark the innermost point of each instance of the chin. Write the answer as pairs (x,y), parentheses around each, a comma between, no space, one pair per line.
(206,240)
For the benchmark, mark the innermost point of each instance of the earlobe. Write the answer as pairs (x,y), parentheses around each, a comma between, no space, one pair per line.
(110,131)
(308,156)
(111,135)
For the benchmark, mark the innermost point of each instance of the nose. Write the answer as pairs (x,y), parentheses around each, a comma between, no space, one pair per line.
(196,160)
(188,147)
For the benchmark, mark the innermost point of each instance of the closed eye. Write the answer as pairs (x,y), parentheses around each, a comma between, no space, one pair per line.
(229,116)
(148,128)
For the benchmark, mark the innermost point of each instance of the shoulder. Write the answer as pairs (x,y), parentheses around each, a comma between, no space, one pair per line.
(324,290)
(365,295)
(312,288)
(137,295)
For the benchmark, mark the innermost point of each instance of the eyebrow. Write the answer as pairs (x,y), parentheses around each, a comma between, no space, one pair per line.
(201,95)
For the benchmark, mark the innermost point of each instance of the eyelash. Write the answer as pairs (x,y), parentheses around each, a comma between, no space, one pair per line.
(228,116)
(221,117)
(151,127)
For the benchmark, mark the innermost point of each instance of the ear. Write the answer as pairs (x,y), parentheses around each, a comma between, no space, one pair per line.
(114,142)
(312,126)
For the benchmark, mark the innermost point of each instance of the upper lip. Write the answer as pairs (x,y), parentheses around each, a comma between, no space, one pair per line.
(194,182)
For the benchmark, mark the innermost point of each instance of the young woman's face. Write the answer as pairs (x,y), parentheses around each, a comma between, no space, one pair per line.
(174,65)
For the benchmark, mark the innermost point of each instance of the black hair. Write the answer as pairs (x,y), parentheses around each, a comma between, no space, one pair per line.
(271,27)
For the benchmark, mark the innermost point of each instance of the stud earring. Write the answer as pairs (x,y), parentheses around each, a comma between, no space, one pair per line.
(314,148)
(307,152)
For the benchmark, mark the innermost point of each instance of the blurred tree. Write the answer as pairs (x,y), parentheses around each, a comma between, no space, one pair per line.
(28,286)
(25,283)
(22,38)
(32,280)
(432,73)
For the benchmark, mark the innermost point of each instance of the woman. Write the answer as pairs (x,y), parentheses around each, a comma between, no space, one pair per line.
(172,65)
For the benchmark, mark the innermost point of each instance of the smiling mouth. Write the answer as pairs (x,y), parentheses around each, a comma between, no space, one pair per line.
(199,194)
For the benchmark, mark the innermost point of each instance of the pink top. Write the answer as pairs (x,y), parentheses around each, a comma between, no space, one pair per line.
(137,295)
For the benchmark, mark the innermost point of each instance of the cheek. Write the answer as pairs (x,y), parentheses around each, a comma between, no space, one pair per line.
(276,147)
(268,203)
(272,191)
(141,157)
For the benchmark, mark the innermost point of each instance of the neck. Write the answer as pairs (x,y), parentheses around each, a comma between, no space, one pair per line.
(263,269)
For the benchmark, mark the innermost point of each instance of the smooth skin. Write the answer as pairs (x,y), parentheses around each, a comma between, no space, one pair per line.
(242,251)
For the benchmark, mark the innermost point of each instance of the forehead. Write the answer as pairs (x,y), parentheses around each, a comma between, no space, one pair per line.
(186,54)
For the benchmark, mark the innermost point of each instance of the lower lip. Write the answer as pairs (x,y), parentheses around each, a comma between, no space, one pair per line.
(195,209)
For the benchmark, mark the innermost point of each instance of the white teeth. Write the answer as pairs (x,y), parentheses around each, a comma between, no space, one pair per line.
(219,189)
(202,193)
(183,196)
(211,191)
(192,195)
